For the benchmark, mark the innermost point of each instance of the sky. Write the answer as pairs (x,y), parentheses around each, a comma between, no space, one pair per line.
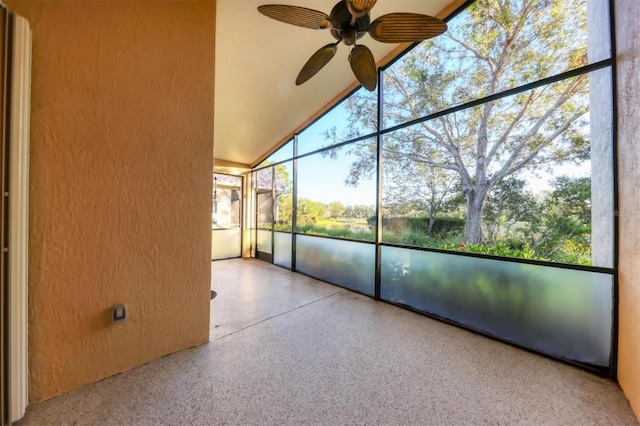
(322,178)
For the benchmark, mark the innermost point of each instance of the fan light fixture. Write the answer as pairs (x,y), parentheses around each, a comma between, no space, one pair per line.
(348,22)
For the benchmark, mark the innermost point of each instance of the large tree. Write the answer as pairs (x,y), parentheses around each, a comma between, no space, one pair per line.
(493,46)
(429,199)
(507,205)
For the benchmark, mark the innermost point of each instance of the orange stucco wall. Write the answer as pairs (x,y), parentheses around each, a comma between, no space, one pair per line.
(627,13)
(120,198)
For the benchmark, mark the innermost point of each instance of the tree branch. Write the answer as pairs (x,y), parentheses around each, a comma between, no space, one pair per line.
(568,92)
(512,125)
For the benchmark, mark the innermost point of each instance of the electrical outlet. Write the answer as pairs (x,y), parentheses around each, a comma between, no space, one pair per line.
(119,313)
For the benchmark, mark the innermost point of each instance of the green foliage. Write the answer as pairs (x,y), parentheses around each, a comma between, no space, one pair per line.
(507,205)
(283,213)
(440,226)
(409,237)
(314,213)
(501,248)
(565,217)
(282,227)
(494,45)
(555,228)
(575,253)
(309,212)
(365,235)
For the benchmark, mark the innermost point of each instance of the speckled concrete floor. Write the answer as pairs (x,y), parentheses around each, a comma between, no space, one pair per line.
(289,350)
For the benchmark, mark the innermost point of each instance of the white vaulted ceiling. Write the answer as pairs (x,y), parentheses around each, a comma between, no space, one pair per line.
(257,103)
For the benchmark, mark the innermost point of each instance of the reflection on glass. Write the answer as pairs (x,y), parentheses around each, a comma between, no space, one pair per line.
(227,180)
(225,244)
(283,187)
(345,263)
(508,178)
(265,210)
(282,249)
(337,192)
(339,124)
(226,209)
(560,312)
(227,201)
(264,179)
(264,241)
(486,50)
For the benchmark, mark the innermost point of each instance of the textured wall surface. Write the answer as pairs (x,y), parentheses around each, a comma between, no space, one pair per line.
(627,15)
(121,162)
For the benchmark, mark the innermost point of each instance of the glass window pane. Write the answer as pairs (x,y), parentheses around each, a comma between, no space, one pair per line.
(283,186)
(227,180)
(342,123)
(337,192)
(226,208)
(282,249)
(265,210)
(225,244)
(227,201)
(264,241)
(264,179)
(559,312)
(512,177)
(345,263)
(490,47)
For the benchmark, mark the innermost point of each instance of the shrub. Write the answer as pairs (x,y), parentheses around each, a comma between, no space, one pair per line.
(443,226)
(338,233)
(573,252)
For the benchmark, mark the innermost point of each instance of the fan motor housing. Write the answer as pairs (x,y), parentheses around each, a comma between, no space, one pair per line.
(341,19)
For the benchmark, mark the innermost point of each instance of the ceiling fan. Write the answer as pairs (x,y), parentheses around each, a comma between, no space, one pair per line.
(348,22)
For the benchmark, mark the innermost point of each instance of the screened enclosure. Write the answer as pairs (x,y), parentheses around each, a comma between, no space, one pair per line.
(476,185)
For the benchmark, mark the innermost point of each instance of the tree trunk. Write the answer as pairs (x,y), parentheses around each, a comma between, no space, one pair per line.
(473,224)
(432,221)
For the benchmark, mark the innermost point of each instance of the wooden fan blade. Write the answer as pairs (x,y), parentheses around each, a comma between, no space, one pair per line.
(296,15)
(316,62)
(361,5)
(406,27)
(364,67)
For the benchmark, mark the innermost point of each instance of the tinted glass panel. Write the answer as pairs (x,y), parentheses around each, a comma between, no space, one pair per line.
(226,208)
(264,241)
(560,312)
(265,210)
(282,249)
(225,243)
(345,263)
